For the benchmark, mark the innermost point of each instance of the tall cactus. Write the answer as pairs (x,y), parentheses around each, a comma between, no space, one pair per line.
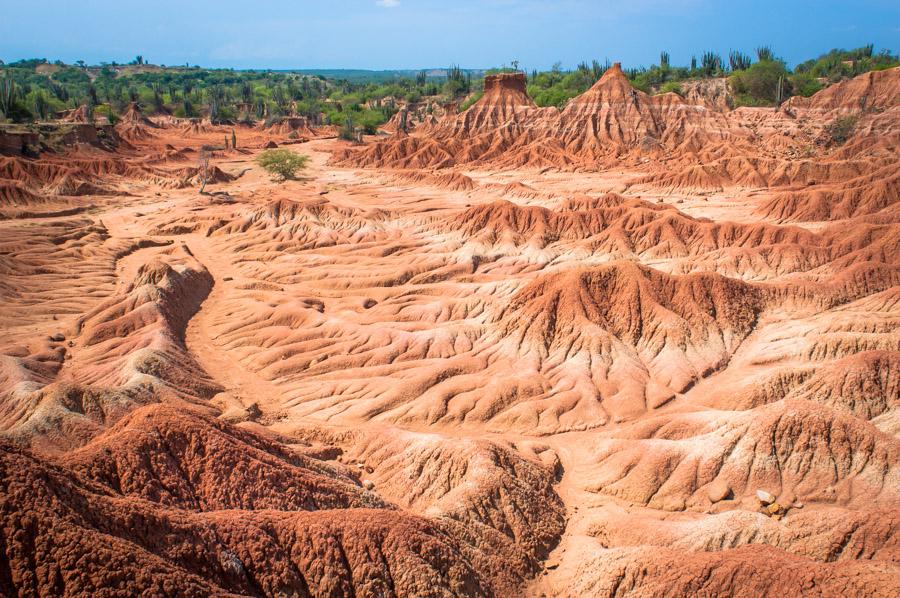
(765,53)
(738,61)
(7,95)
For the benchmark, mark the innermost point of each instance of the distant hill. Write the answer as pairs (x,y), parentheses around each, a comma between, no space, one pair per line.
(366,76)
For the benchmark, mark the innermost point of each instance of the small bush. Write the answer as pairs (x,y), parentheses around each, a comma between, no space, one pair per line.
(805,84)
(840,129)
(282,164)
(758,85)
(470,100)
(671,87)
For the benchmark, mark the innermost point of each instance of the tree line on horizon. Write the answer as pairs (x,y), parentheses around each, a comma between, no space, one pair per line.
(35,89)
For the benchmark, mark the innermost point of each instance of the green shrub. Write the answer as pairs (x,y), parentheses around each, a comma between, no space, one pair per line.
(470,100)
(671,87)
(804,84)
(758,85)
(282,164)
(840,129)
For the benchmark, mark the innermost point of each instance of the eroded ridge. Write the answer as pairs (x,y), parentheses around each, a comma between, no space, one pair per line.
(642,345)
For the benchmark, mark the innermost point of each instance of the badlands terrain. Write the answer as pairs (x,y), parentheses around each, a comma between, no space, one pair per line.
(639,346)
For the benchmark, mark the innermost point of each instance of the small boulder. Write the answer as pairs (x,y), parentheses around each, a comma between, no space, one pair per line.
(718,490)
(765,497)
(270,145)
(368,484)
(58,337)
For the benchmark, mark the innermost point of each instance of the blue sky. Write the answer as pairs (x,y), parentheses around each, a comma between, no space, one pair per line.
(386,34)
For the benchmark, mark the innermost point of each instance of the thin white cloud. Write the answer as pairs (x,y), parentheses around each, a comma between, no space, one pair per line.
(388,3)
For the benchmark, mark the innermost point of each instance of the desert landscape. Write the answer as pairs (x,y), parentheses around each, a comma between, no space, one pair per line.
(642,344)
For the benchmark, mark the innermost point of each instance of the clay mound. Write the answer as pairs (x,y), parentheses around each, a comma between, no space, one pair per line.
(489,127)
(14,194)
(823,533)
(610,121)
(134,125)
(504,101)
(743,572)
(636,304)
(866,384)
(76,115)
(400,151)
(452,181)
(130,352)
(134,132)
(135,115)
(857,197)
(32,173)
(196,126)
(609,118)
(583,203)
(875,89)
(477,483)
(622,228)
(794,448)
(521,191)
(292,125)
(182,458)
(298,225)
(214,176)
(337,552)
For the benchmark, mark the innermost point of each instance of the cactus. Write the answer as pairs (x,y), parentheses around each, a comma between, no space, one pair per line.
(41,106)
(7,95)
(711,63)
(738,61)
(664,60)
(765,53)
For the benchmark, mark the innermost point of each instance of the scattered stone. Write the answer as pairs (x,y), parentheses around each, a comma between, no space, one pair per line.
(368,484)
(798,505)
(58,337)
(270,145)
(765,497)
(774,508)
(253,411)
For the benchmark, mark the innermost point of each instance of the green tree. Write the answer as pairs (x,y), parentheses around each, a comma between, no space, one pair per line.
(282,164)
(760,84)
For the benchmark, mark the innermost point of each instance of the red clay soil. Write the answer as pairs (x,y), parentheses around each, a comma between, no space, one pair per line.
(639,346)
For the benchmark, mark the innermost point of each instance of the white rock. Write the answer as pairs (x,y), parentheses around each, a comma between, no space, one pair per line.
(764,497)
